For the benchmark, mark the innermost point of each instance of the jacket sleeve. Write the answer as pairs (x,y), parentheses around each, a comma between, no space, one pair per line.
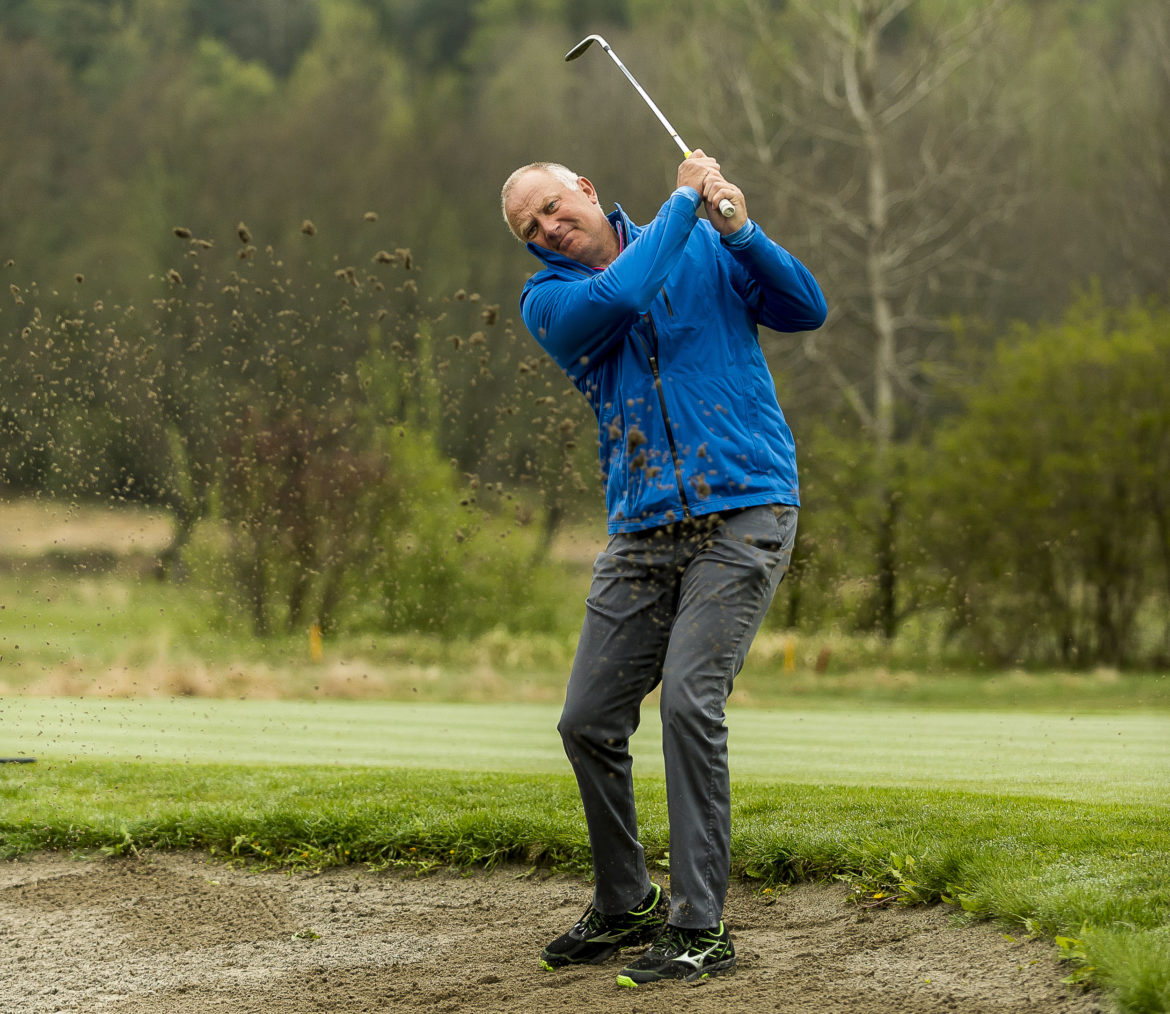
(580,320)
(783,292)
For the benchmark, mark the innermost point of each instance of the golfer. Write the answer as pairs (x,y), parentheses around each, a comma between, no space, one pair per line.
(656,325)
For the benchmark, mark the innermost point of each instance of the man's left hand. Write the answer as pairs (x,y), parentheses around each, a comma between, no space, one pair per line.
(716,190)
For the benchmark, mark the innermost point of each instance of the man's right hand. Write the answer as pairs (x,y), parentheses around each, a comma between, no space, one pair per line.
(703,173)
(693,170)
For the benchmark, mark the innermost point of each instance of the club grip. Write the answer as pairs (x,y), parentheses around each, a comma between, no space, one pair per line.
(726,208)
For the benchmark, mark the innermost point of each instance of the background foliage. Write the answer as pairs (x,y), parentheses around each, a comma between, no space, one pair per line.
(256,275)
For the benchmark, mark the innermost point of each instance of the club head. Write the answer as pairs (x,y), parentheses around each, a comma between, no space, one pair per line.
(583,45)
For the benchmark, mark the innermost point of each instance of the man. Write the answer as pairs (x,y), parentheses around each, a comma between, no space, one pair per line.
(656,326)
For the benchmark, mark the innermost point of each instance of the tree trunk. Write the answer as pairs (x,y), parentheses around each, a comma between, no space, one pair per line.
(304,566)
(1162,530)
(255,582)
(886,613)
(860,75)
(170,564)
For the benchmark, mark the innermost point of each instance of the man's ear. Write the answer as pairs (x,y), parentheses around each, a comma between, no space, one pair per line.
(588,189)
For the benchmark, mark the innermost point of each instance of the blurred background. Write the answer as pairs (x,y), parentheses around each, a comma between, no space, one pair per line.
(270,424)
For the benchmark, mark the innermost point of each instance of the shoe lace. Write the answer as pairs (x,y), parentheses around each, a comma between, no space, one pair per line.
(673,940)
(591,921)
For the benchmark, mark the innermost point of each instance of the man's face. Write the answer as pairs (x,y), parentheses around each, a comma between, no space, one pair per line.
(543,210)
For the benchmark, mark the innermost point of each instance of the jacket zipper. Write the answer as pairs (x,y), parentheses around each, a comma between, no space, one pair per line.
(682,493)
(678,483)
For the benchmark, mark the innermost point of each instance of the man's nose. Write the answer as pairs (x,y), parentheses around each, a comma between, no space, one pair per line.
(550,227)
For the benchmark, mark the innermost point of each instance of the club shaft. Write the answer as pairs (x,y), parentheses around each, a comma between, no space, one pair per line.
(646,98)
(726,208)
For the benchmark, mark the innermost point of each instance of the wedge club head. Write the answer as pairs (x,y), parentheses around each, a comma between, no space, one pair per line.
(583,45)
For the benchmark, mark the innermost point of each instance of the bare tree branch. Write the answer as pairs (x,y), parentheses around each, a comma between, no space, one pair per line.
(847,388)
(957,46)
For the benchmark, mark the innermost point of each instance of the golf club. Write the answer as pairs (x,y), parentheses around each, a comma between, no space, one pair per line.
(726,208)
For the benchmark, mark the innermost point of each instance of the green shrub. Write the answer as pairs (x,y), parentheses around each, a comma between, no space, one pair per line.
(1047,502)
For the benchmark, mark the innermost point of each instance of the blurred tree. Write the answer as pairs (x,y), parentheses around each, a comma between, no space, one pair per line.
(272,32)
(579,19)
(44,139)
(432,32)
(302,496)
(76,31)
(1048,499)
(1105,151)
(879,134)
(392,125)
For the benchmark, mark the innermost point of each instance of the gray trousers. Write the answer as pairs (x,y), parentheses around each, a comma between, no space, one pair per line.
(677,605)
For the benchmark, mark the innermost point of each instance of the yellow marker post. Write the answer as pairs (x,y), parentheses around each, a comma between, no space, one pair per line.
(316,652)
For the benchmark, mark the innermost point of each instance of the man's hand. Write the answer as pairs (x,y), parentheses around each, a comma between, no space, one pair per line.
(702,172)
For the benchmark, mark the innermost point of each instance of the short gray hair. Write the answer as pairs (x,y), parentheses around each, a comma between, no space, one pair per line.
(562,174)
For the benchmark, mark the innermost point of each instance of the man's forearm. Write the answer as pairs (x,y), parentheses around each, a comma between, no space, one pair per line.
(789,298)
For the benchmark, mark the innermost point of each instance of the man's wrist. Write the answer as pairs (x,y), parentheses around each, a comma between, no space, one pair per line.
(741,237)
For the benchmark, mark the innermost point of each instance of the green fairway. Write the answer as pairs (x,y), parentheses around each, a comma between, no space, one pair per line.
(1103,758)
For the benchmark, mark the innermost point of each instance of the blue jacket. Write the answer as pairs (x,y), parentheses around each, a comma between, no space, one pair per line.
(663,343)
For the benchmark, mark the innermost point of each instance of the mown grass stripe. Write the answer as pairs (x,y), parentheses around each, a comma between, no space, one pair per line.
(1099,757)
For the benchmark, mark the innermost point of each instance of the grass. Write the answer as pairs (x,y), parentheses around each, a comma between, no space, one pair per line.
(915,806)
(1094,758)
(1097,876)
(112,634)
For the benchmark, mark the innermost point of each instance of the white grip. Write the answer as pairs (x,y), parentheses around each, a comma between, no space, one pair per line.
(726,208)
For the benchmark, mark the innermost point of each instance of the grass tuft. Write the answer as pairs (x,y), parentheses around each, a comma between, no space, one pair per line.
(1132,965)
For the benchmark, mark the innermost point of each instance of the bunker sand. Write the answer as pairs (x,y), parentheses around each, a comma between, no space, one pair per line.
(176,932)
